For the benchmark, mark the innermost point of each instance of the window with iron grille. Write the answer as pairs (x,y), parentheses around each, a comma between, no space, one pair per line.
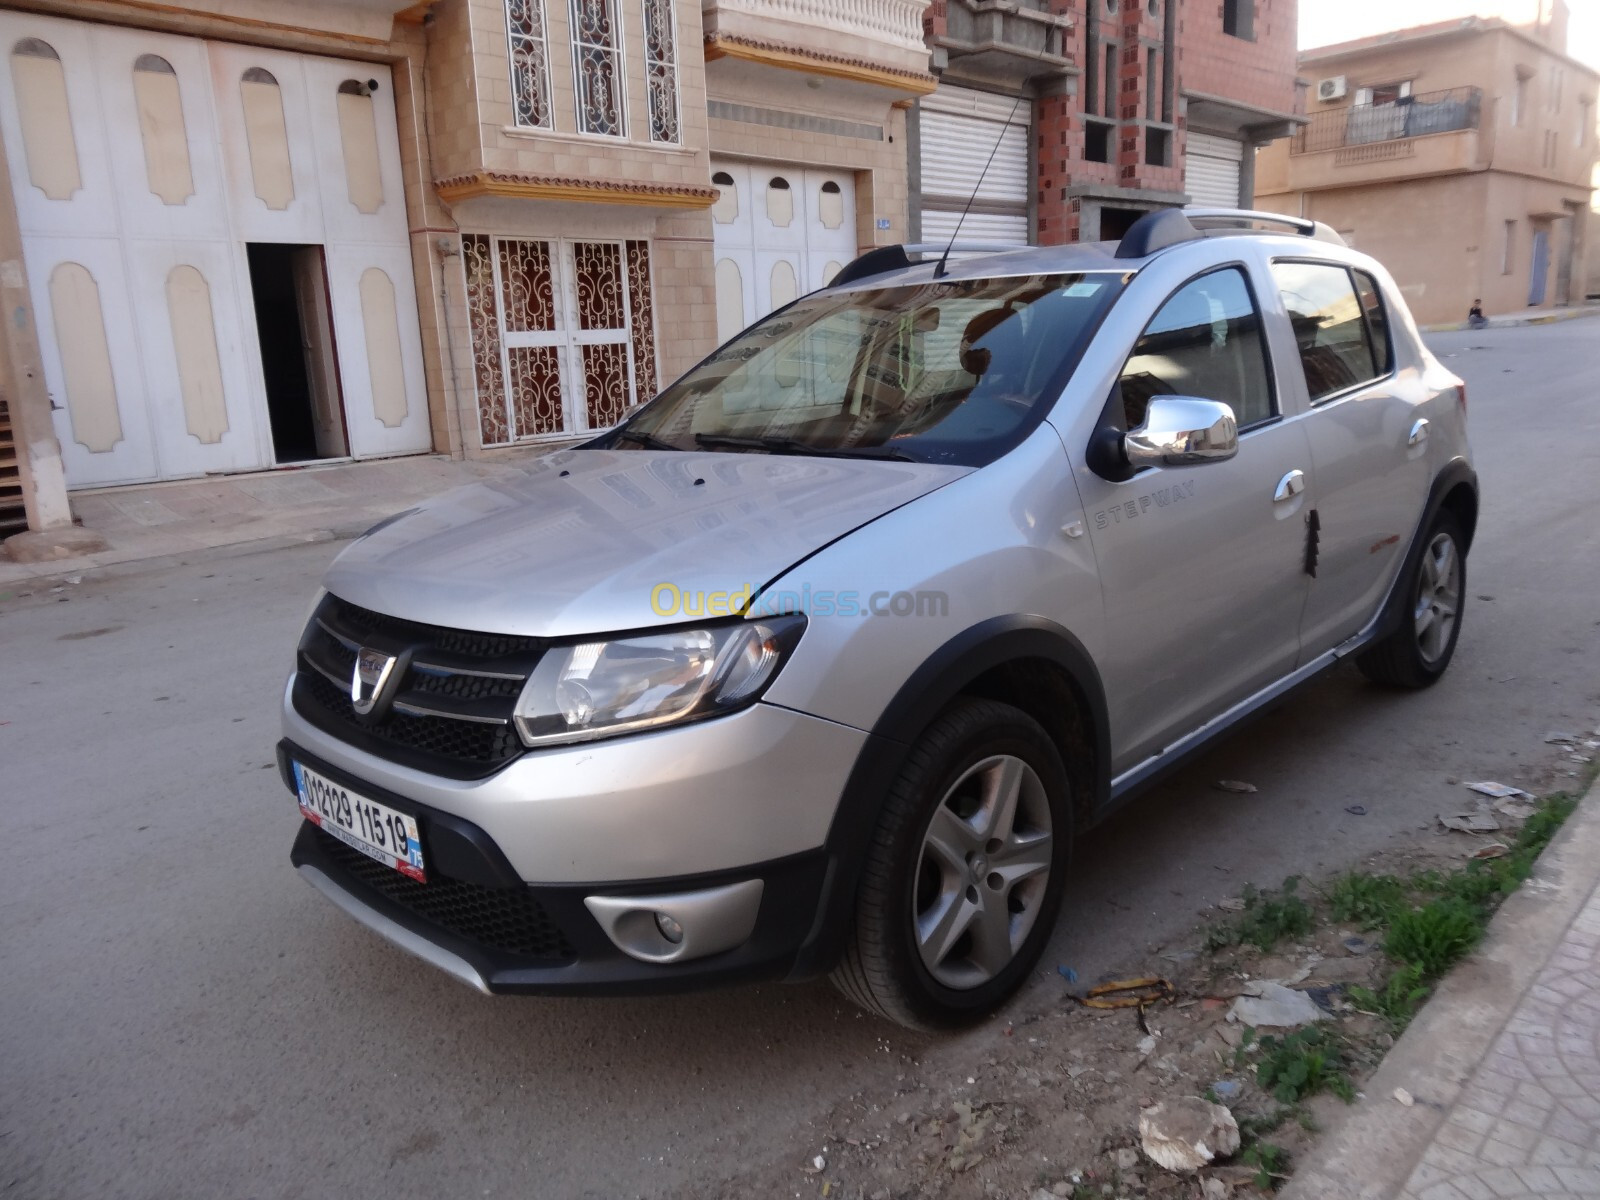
(530,64)
(597,67)
(661,69)
(563,334)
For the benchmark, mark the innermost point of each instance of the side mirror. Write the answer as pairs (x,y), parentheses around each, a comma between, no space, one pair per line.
(1182,429)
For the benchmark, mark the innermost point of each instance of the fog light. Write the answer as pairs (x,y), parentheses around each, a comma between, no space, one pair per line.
(669,928)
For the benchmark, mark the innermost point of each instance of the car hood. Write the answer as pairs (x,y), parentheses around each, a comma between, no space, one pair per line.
(579,541)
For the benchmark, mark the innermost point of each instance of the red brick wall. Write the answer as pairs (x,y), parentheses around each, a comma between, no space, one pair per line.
(1259,73)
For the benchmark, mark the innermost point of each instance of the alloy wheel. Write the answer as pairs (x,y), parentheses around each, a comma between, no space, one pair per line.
(983,871)
(1438,597)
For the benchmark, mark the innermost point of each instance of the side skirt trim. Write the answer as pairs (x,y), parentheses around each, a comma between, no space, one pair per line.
(1137,776)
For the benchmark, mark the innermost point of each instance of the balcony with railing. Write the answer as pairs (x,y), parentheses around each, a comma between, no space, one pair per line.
(876,41)
(1431,133)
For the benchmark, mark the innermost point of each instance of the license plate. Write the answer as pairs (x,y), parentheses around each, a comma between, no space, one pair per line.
(376,830)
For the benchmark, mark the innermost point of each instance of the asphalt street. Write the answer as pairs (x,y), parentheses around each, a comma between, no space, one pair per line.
(183,1017)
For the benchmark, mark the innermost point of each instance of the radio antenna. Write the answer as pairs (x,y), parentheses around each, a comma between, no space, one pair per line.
(939,271)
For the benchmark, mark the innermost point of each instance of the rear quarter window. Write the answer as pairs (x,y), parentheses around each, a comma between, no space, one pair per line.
(1330,326)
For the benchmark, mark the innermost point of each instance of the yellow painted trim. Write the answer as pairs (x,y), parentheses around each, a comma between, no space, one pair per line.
(799,60)
(591,193)
(414,15)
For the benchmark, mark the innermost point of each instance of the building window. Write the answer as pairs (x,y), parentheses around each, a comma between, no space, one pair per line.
(1519,99)
(1152,87)
(1506,256)
(1156,143)
(530,64)
(597,67)
(563,336)
(1109,82)
(1239,19)
(1585,122)
(661,69)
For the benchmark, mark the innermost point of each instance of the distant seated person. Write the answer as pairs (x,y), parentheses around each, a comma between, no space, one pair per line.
(1475,317)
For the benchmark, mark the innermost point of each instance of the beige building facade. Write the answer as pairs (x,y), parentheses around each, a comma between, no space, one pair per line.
(236,235)
(1460,154)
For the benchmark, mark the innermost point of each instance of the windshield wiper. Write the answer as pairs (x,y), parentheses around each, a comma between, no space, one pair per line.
(782,445)
(648,440)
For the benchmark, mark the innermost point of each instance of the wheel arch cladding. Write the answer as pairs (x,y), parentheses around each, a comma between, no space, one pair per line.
(1462,501)
(1029,662)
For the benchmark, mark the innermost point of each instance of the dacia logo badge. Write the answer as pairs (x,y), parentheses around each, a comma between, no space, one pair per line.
(372,671)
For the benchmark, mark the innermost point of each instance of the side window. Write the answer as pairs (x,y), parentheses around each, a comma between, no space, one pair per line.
(1328,326)
(1205,342)
(1377,321)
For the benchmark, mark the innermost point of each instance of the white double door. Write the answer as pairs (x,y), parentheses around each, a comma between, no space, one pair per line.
(780,231)
(163,164)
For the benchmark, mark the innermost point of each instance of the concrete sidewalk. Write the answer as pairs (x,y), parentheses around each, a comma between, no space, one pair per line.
(260,510)
(1535,316)
(1503,1061)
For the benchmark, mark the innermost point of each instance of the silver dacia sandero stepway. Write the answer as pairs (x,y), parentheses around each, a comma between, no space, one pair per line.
(818,662)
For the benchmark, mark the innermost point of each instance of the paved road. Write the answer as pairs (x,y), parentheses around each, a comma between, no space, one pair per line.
(185,1018)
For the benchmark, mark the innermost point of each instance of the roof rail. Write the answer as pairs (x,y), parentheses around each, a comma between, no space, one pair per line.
(1168,226)
(1311,229)
(884,259)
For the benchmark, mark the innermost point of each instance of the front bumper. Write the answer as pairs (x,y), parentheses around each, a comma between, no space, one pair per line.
(478,920)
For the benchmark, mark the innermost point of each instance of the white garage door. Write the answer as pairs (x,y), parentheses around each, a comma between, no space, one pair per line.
(780,231)
(1211,170)
(154,174)
(960,128)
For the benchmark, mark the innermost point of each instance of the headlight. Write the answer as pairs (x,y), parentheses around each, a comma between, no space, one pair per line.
(597,689)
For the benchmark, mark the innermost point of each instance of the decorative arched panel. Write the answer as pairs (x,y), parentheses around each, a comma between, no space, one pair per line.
(730,299)
(46,119)
(270,170)
(194,343)
(358,137)
(91,390)
(381,321)
(162,129)
(780,201)
(830,205)
(785,285)
(726,210)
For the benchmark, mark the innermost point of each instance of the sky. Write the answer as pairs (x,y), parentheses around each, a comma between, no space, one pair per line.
(1325,21)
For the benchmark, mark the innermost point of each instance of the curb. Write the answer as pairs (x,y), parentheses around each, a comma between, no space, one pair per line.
(1371,1153)
(122,568)
(1553,317)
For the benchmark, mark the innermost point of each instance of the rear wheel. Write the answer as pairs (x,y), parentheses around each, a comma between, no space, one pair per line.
(1416,654)
(965,871)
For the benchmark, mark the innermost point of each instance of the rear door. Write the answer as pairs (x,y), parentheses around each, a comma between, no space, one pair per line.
(1369,441)
(1202,568)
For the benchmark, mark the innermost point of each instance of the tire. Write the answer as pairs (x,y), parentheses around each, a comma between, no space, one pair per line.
(1416,654)
(945,848)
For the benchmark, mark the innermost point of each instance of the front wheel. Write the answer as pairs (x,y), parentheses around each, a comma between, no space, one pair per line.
(965,871)
(1416,654)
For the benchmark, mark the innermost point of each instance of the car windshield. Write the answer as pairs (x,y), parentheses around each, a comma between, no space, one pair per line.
(957,371)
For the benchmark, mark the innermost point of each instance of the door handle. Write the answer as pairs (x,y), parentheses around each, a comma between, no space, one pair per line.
(1419,432)
(1290,486)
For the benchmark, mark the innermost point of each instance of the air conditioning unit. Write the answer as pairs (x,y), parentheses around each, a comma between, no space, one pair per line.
(1331,89)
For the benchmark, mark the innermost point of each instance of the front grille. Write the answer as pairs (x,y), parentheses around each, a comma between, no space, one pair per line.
(509,920)
(452,706)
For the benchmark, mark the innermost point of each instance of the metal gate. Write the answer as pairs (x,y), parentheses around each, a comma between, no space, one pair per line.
(960,128)
(1211,170)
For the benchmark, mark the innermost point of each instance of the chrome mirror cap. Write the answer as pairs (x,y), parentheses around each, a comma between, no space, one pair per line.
(1182,429)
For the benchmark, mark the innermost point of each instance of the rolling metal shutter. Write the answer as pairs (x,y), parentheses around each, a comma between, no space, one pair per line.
(959,129)
(1211,170)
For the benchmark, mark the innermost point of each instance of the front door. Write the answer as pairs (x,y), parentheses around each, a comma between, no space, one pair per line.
(1370,454)
(1541,268)
(780,232)
(1202,565)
